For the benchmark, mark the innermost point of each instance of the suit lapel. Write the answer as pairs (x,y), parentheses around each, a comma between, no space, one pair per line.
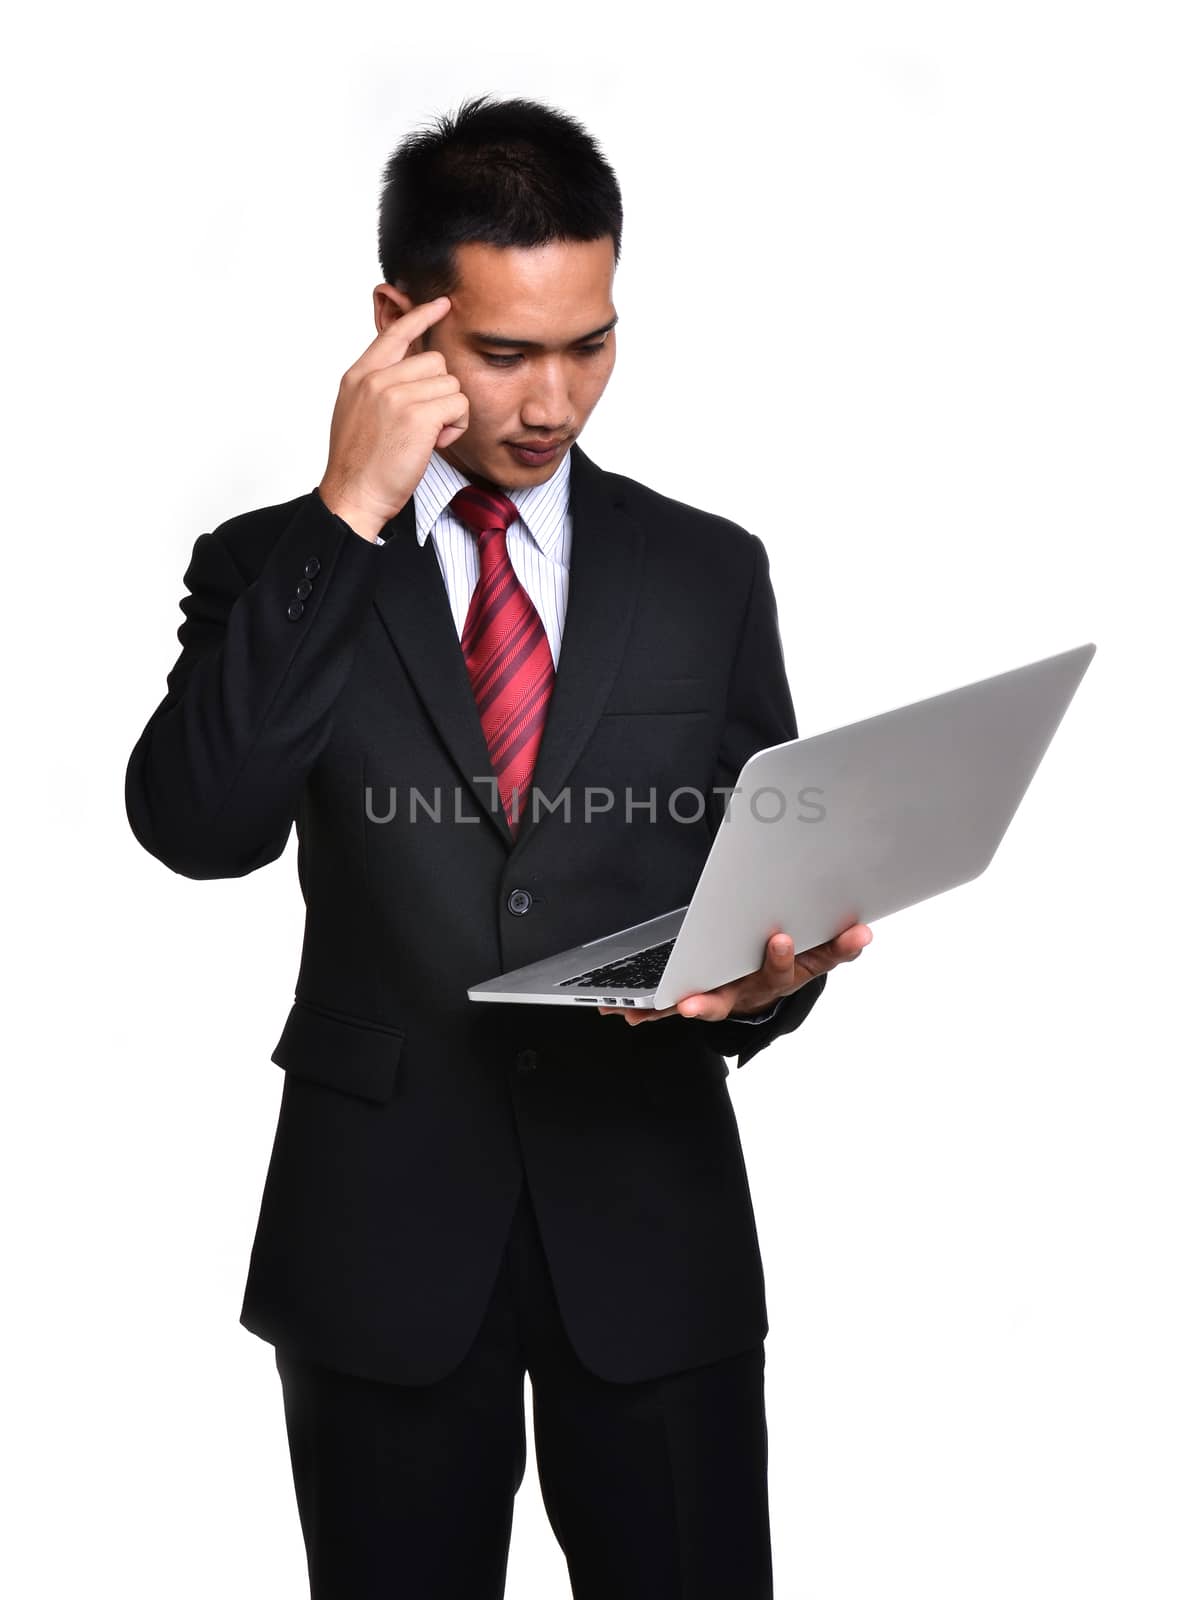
(412,601)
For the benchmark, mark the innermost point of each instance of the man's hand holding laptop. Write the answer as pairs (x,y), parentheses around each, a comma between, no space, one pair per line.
(782,973)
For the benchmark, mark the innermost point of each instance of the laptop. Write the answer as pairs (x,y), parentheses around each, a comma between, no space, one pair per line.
(823,832)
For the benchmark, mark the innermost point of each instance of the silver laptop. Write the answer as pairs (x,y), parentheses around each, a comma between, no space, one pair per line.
(820,833)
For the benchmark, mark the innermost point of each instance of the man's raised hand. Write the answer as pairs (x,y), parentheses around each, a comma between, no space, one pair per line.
(392,411)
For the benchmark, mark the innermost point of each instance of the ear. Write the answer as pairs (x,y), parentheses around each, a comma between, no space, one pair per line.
(390,302)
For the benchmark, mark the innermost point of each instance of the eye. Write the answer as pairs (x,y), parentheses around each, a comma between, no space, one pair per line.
(509,361)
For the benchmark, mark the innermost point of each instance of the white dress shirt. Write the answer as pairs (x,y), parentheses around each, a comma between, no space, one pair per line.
(538,544)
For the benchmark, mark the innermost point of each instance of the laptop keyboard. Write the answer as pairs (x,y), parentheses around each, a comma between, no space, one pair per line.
(640,971)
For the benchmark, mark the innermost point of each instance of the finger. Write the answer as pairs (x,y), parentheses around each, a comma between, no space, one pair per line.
(844,947)
(713,1005)
(852,942)
(415,385)
(393,343)
(779,956)
(632,1015)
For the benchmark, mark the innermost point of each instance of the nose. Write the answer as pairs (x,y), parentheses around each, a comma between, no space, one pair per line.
(548,405)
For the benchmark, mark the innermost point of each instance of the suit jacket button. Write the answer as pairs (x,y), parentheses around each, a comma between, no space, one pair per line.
(519,901)
(527,1060)
(311,567)
(296,610)
(303,589)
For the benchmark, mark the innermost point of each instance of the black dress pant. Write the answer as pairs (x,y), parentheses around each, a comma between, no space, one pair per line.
(656,1489)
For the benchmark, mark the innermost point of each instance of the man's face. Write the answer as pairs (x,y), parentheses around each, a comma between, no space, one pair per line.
(555,297)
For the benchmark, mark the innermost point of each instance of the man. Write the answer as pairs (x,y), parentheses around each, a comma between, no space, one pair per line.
(459,1193)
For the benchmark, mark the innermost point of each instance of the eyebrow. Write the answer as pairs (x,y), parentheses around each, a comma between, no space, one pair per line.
(533,344)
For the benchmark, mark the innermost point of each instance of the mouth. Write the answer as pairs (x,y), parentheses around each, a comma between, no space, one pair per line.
(535,454)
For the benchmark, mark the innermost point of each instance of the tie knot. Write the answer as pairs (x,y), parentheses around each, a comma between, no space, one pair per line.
(483,510)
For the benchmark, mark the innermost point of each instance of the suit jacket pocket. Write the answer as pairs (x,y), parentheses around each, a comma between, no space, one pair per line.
(344,1053)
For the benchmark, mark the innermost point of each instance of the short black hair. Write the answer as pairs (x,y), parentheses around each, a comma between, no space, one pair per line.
(503,172)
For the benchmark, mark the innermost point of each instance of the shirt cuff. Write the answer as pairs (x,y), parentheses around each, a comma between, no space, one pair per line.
(762,1016)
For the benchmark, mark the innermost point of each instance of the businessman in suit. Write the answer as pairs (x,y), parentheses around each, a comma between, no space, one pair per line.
(466,615)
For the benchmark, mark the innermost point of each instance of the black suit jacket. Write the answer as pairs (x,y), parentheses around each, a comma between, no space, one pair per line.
(316,666)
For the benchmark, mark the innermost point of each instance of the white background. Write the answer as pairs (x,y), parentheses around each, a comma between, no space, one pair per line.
(899,291)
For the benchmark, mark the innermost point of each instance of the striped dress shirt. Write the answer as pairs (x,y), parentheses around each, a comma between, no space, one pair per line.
(538,543)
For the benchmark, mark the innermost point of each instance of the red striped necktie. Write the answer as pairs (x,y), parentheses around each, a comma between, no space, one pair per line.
(506,651)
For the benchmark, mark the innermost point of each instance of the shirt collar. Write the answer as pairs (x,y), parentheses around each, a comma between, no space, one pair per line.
(441,480)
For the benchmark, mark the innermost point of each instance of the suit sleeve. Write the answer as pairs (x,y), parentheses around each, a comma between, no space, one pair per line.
(759,713)
(214,780)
